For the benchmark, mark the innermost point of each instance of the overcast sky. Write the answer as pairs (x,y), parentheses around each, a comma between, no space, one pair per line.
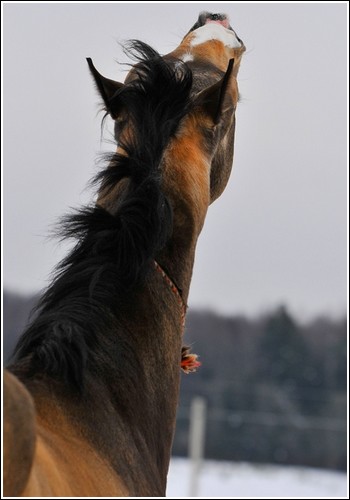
(278,233)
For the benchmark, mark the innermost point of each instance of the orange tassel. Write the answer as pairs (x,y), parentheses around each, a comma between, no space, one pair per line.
(189,361)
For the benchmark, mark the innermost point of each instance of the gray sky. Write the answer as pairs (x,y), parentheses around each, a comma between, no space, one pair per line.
(278,233)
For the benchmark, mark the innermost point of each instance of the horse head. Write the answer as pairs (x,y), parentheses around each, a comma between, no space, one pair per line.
(210,48)
(198,132)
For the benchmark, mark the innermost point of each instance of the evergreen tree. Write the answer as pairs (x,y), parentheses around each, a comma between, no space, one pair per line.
(283,354)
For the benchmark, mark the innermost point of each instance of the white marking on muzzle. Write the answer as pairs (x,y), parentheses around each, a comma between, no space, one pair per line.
(213,31)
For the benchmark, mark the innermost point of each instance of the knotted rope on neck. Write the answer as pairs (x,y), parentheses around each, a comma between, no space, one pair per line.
(189,361)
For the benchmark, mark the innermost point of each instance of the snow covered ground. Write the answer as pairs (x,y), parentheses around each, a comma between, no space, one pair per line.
(228,479)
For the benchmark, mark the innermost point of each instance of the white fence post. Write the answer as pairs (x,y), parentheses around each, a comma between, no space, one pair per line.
(196,441)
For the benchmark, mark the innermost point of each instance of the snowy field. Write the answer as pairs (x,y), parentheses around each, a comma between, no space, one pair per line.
(225,479)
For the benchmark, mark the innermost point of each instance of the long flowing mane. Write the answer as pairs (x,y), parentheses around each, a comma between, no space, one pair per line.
(114,252)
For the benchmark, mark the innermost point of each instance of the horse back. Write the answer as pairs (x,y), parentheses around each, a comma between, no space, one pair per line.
(19,435)
(45,454)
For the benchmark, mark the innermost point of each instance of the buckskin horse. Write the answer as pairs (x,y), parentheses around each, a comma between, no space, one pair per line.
(91,396)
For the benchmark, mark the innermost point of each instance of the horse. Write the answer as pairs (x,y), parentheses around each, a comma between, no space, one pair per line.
(91,395)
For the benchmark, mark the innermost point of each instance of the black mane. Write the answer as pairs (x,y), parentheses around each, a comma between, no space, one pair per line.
(114,252)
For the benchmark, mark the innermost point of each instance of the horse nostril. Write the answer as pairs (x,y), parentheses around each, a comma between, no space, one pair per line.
(217,17)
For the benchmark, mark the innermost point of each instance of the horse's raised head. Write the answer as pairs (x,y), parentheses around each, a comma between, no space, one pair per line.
(175,121)
(213,51)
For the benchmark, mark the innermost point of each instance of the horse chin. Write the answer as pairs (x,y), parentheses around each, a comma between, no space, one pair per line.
(207,18)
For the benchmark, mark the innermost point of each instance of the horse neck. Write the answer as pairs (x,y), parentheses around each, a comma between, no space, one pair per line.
(128,408)
(154,322)
(131,382)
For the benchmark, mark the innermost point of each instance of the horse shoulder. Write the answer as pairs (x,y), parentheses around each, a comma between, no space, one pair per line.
(65,464)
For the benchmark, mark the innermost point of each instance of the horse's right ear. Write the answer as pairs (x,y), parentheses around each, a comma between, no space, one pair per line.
(106,87)
(215,99)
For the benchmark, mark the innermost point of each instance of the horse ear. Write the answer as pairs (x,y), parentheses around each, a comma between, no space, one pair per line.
(212,99)
(106,87)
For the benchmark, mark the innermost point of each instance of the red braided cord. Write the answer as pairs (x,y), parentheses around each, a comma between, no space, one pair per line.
(189,362)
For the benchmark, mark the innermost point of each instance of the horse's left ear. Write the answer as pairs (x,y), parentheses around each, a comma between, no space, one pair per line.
(212,99)
(106,87)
